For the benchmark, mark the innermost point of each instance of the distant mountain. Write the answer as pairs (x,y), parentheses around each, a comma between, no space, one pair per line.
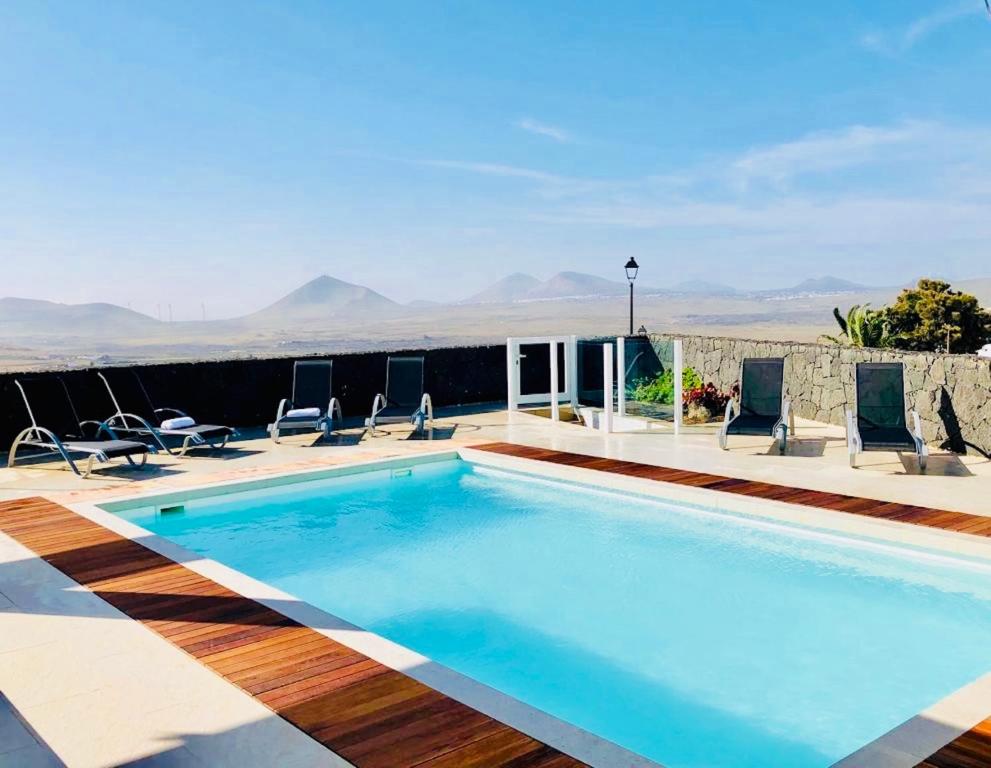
(826,284)
(703,287)
(569,285)
(325,298)
(514,287)
(34,317)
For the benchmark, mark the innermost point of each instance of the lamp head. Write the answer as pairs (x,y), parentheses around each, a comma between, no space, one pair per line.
(631,269)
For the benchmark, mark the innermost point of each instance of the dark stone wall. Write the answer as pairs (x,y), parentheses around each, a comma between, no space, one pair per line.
(245,393)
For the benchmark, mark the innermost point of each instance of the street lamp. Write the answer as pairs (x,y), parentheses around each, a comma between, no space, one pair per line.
(631,274)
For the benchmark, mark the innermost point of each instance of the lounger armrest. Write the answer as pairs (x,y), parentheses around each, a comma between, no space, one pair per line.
(427,407)
(175,413)
(379,403)
(120,421)
(729,412)
(96,426)
(39,433)
(34,436)
(334,410)
(285,405)
(723,434)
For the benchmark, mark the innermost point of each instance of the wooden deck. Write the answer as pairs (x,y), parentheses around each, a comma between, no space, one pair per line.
(972,749)
(373,716)
(961,522)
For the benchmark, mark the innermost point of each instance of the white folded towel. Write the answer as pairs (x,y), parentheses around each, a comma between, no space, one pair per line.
(179,423)
(303,413)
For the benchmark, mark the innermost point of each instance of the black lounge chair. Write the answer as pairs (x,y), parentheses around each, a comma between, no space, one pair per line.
(405,399)
(880,423)
(137,415)
(55,427)
(312,389)
(763,408)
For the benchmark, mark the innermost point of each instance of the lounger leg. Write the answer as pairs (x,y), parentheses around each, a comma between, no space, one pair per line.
(783,440)
(12,456)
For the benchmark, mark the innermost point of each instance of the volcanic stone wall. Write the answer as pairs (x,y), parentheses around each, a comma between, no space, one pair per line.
(952,393)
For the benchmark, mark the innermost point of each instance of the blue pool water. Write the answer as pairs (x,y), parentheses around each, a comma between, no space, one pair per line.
(694,638)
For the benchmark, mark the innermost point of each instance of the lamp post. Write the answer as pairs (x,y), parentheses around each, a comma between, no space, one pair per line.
(631,274)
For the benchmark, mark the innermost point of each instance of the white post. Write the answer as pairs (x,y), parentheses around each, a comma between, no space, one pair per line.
(679,365)
(512,376)
(621,375)
(607,388)
(555,405)
(571,372)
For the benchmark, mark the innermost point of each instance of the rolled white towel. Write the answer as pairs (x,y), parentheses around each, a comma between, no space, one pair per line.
(303,413)
(180,422)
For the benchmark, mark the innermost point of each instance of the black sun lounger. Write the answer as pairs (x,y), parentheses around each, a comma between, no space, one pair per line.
(405,399)
(312,390)
(763,409)
(136,415)
(55,427)
(880,421)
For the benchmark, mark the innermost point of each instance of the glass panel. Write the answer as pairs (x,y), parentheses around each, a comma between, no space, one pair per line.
(650,377)
(590,370)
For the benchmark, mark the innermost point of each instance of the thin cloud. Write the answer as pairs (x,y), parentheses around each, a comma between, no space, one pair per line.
(822,152)
(902,39)
(914,187)
(496,169)
(543,129)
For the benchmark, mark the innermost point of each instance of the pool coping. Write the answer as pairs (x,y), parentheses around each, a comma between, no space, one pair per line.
(542,726)
(903,747)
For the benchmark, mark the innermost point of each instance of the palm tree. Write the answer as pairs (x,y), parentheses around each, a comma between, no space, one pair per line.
(862,327)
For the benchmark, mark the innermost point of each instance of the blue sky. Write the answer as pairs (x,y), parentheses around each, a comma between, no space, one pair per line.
(226,152)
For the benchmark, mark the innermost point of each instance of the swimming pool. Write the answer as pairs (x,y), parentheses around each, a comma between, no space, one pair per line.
(692,637)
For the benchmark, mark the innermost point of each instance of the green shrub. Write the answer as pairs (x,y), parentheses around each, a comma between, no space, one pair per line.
(660,389)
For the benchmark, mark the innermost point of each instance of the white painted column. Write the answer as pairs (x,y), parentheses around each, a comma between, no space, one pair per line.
(607,381)
(679,365)
(621,375)
(555,405)
(512,375)
(571,372)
